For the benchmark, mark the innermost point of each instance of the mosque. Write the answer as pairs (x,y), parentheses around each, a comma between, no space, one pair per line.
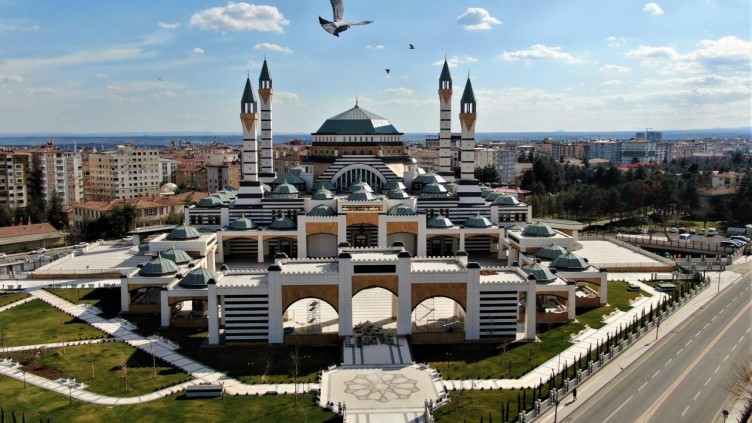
(357,214)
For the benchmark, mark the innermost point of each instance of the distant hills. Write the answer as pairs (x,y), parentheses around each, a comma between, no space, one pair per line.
(202,138)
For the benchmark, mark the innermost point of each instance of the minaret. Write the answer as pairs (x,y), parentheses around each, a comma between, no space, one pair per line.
(445,124)
(250,187)
(468,189)
(267,154)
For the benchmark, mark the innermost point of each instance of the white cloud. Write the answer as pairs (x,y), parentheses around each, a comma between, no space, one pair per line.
(165,94)
(39,90)
(611,82)
(10,78)
(240,17)
(115,87)
(726,53)
(615,41)
(6,27)
(455,61)
(399,91)
(79,58)
(376,47)
(198,50)
(540,52)
(653,9)
(614,69)
(164,25)
(272,47)
(477,19)
(102,75)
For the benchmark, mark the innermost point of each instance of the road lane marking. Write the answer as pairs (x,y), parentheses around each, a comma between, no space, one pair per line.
(669,361)
(617,410)
(747,330)
(713,317)
(696,395)
(726,358)
(685,411)
(655,374)
(680,350)
(735,345)
(707,381)
(688,342)
(647,415)
(643,385)
(698,333)
(706,325)
(740,338)
(721,311)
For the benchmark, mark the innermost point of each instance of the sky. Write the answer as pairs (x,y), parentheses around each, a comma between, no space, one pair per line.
(180,66)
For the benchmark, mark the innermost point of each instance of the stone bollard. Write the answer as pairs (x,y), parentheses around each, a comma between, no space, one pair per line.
(590,368)
(566,385)
(521,418)
(579,376)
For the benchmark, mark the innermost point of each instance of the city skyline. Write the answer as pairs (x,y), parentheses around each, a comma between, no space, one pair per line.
(181,67)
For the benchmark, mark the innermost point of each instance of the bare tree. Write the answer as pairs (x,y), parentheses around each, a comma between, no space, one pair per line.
(741,386)
(294,369)
(2,340)
(91,359)
(123,365)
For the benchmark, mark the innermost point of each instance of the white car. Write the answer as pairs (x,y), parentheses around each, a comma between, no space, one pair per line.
(81,245)
(128,238)
(39,251)
(3,256)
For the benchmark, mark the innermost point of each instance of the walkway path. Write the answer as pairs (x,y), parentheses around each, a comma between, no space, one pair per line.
(59,344)
(15,304)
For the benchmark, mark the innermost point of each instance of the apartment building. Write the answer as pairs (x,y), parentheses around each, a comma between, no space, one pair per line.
(126,172)
(59,171)
(14,168)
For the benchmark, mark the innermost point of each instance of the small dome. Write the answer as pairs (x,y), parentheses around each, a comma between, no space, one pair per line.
(289,177)
(296,170)
(485,190)
(477,221)
(569,261)
(360,195)
(541,273)
(394,184)
(222,196)
(538,229)
(428,178)
(210,201)
(360,185)
(433,189)
(493,195)
(397,194)
(158,266)
(322,194)
(230,194)
(183,232)
(285,188)
(506,200)
(282,223)
(400,210)
(168,188)
(323,183)
(322,210)
(439,221)
(242,224)
(176,256)
(451,187)
(198,278)
(550,252)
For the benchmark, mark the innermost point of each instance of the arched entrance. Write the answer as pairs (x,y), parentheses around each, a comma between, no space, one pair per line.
(354,173)
(410,240)
(310,316)
(363,235)
(376,305)
(438,315)
(438,246)
(322,245)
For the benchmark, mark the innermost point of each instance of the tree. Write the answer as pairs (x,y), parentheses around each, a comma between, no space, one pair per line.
(741,387)
(55,211)
(742,205)
(5,217)
(123,366)
(487,174)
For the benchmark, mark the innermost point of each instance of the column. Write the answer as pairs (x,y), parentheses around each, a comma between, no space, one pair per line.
(604,287)
(164,308)
(276,329)
(404,294)
(125,296)
(345,294)
(213,313)
(260,250)
(530,309)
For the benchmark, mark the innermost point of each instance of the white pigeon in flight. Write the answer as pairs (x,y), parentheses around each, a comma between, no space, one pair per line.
(339,24)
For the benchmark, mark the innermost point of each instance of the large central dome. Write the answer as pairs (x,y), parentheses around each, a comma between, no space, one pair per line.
(357,121)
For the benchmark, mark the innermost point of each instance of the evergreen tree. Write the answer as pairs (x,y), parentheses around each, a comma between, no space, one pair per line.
(742,205)
(55,211)
(5,217)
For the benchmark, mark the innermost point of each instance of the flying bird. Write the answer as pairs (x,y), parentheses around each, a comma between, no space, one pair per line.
(412,47)
(339,24)
(387,71)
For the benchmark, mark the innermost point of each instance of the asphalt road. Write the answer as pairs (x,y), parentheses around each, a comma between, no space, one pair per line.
(683,379)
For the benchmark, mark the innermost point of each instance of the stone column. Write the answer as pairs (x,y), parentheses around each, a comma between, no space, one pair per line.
(125,296)
(164,308)
(276,326)
(213,313)
(530,309)
(345,294)
(404,294)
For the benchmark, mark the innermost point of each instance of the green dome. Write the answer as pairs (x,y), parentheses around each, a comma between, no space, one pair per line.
(322,210)
(569,261)
(394,184)
(485,190)
(158,266)
(322,194)
(323,183)
(433,189)
(360,195)
(506,200)
(229,193)
(210,201)
(538,229)
(288,177)
(397,194)
(428,178)
(477,221)
(400,210)
(183,232)
(285,189)
(198,278)
(357,121)
(541,273)
(550,252)
(221,196)
(493,195)
(242,224)
(451,187)
(282,223)
(176,256)
(360,185)
(439,221)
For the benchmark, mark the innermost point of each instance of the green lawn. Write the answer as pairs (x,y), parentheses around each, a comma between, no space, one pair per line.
(38,404)
(36,322)
(106,299)
(10,298)
(107,377)
(470,406)
(618,297)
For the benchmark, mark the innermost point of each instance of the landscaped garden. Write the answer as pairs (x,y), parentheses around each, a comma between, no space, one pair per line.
(105,299)
(36,322)
(10,298)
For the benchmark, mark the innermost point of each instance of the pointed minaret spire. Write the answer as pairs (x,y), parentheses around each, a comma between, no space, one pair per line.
(445,123)
(250,192)
(468,188)
(265,91)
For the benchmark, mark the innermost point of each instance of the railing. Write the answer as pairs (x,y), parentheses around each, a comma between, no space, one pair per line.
(690,245)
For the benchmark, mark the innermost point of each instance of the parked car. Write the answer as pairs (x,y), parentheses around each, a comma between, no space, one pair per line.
(3,256)
(128,238)
(741,238)
(39,251)
(692,231)
(712,232)
(674,230)
(730,244)
(633,287)
(665,287)
(685,237)
(738,242)
(701,232)
(81,245)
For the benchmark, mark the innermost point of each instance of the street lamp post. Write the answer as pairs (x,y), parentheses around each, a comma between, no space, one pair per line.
(657,326)
(725,414)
